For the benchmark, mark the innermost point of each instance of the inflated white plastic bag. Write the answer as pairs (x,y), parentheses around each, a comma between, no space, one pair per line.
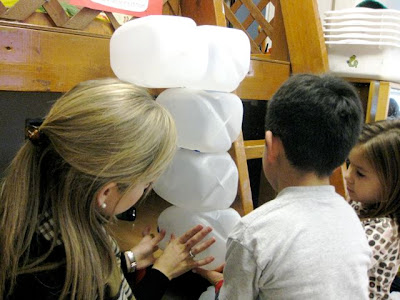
(178,220)
(199,181)
(206,121)
(159,51)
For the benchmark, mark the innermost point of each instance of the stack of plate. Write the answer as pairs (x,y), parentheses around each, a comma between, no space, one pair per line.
(364,42)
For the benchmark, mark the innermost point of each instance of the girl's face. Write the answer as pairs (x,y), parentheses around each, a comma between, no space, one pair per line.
(362,181)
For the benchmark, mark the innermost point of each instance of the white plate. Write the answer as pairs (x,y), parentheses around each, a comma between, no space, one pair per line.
(362,37)
(360,25)
(362,17)
(363,42)
(362,30)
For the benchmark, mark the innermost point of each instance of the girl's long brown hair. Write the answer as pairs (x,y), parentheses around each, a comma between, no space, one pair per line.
(101,131)
(380,143)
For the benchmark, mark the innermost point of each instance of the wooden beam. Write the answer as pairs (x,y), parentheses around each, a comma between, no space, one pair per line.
(56,12)
(239,156)
(258,17)
(114,22)
(22,9)
(3,9)
(82,19)
(279,48)
(304,36)
(383,101)
(249,20)
(236,24)
(204,12)
(254,148)
(42,22)
(36,60)
(264,78)
(171,7)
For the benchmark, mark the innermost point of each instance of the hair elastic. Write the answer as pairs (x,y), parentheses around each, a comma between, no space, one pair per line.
(33,132)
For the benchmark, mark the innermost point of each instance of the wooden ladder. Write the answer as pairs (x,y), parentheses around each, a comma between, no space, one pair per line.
(298,46)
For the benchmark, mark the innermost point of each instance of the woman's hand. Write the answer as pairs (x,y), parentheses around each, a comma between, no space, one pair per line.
(213,276)
(144,251)
(178,256)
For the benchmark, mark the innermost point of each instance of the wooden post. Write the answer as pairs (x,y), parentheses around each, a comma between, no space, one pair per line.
(204,12)
(304,36)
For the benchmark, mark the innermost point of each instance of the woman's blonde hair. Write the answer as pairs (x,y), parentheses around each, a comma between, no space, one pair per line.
(380,145)
(99,132)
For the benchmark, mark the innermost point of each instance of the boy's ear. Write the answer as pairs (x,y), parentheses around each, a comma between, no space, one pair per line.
(273,145)
(106,193)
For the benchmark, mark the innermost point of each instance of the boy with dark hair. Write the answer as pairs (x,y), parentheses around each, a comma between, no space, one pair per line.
(307,243)
(318,120)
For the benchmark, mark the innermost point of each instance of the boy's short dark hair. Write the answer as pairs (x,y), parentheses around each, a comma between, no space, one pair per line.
(318,119)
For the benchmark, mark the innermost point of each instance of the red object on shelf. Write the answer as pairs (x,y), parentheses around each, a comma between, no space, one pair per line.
(138,8)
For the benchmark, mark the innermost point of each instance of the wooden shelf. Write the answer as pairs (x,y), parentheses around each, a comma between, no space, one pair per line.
(378,97)
(32,59)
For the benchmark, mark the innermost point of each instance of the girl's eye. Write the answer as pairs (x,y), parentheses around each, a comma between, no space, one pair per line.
(347,163)
(359,174)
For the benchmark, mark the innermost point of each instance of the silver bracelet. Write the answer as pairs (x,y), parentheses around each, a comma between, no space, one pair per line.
(131,261)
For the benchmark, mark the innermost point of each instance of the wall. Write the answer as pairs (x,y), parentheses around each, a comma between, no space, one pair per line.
(325,5)
(15,108)
(393,4)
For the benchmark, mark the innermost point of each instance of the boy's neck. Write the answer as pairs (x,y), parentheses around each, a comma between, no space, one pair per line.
(293,177)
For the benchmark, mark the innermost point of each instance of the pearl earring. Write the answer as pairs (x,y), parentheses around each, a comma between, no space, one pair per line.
(103,205)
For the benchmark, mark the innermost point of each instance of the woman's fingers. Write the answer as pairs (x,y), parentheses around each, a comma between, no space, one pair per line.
(202,246)
(220,268)
(190,233)
(158,238)
(180,254)
(213,276)
(151,238)
(146,231)
(197,237)
(202,262)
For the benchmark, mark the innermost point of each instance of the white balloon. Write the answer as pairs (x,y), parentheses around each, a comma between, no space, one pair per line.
(206,121)
(159,51)
(199,181)
(178,220)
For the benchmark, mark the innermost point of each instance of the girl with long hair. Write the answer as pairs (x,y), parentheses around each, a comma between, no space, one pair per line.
(373,185)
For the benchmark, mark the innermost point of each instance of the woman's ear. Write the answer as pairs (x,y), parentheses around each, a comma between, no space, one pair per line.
(106,195)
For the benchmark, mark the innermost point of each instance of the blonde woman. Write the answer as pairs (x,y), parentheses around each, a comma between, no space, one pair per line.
(94,155)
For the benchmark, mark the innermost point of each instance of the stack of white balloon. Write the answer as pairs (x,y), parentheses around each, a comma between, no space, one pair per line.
(200,66)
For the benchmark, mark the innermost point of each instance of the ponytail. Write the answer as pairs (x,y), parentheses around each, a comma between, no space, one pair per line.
(19,209)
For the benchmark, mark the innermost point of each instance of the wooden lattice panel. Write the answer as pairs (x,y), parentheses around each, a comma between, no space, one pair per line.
(172,7)
(265,28)
(23,9)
